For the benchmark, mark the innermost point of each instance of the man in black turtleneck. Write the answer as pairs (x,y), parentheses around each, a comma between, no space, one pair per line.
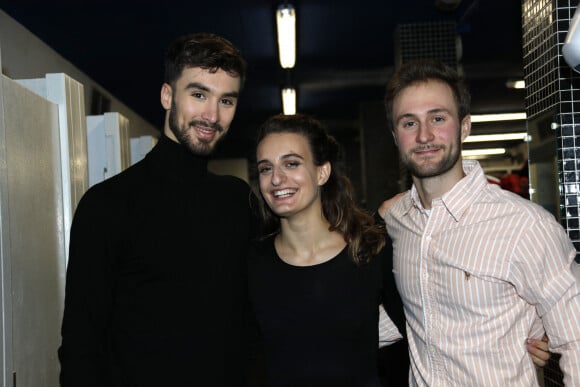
(155,289)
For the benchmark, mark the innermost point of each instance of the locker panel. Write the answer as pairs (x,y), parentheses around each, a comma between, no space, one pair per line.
(108,144)
(96,149)
(6,363)
(68,94)
(140,146)
(35,215)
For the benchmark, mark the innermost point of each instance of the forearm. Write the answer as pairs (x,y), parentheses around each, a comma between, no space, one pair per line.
(542,273)
(390,297)
(562,325)
(570,363)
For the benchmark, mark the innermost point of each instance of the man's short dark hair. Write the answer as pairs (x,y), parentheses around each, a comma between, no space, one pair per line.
(204,50)
(422,71)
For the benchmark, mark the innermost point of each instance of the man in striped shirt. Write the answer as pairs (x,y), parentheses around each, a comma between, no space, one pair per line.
(475,265)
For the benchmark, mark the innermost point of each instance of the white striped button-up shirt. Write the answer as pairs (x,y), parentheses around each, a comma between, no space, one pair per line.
(474,274)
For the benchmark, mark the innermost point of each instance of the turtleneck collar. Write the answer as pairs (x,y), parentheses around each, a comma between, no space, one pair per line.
(173,159)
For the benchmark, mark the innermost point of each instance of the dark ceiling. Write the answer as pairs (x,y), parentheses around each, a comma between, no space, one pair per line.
(345,50)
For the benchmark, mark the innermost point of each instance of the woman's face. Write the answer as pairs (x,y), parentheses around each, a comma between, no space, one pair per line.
(289,180)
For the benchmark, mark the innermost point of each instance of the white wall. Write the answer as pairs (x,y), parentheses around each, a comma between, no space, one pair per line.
(26,56)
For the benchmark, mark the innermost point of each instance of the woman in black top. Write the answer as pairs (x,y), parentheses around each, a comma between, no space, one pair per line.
(315,278)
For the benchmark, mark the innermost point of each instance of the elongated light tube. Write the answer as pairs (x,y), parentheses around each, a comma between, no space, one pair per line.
(496,137)
(498,117)
(475,153)
(519,84)
(289,101)
(286,24)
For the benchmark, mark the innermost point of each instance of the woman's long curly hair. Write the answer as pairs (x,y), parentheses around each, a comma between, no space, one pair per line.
(364,237)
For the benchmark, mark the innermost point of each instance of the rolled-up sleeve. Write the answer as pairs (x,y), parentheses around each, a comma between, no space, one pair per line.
(545,275)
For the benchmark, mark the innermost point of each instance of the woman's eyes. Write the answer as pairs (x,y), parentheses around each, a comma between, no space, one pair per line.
(263,170)
(268,168)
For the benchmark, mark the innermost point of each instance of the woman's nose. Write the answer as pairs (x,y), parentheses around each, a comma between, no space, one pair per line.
(278,176)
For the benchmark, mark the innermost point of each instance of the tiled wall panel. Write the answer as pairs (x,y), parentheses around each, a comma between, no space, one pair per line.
(552,87)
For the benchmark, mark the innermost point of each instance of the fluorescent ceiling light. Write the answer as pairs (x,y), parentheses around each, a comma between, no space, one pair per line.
(496,137)
(286,24)
(497,117)
(519,84)
(475,153)
(289,101)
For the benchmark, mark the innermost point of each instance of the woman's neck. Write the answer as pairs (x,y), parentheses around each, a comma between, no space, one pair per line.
(306,242)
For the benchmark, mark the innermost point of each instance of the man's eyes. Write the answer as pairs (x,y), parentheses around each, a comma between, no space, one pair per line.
(435,119)
(229,102)
(223,101)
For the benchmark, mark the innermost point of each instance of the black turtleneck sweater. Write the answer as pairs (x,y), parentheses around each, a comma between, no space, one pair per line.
(156,282)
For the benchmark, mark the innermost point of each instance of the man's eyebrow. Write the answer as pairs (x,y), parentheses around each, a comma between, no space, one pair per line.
(432,111)
(232,94)
(196,85)
(439,110)
(406,115)
(202,87)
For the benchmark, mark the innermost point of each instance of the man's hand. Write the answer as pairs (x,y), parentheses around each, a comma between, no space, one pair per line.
(538,350)
(383,208)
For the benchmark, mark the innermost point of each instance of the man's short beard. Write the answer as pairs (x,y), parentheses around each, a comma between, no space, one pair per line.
(201,147)
(442,167)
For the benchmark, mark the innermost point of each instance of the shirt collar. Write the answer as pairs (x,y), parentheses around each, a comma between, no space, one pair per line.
(458,198)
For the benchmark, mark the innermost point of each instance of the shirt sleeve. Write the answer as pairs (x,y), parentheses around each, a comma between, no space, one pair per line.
(388,332)
(391,299)
(543,273)
(88,294)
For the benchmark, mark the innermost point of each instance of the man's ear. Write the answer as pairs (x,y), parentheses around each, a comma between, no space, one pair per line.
(166,96)
(324,173)
(465,127)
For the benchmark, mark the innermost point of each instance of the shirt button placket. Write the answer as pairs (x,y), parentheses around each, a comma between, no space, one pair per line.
(427,300)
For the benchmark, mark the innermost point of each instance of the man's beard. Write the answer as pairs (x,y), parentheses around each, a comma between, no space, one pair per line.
(431,170)
(186,136)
